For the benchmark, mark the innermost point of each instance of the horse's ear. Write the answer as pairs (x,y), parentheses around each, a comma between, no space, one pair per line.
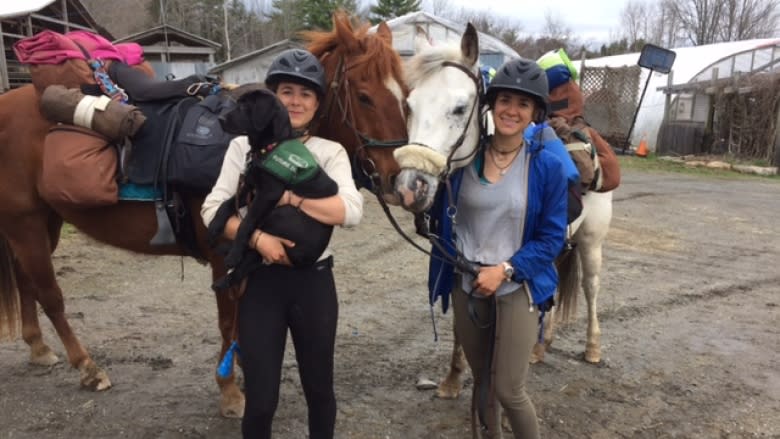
(384,32)
(421,41)
(343,29)
(469,45)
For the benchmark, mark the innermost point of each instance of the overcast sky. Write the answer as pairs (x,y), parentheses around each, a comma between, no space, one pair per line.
(589,20)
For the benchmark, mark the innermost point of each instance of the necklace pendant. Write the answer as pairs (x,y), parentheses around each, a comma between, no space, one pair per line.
(502,172)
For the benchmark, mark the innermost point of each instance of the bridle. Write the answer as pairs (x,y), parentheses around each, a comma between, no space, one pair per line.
(423,220)
(340,83)
(477,104)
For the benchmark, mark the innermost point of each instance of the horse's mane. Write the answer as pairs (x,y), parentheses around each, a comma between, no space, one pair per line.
(430,61)
(369,55)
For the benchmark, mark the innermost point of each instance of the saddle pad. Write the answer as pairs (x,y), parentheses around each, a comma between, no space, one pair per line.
(138,192)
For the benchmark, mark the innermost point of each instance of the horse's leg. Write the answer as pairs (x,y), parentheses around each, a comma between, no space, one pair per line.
(32,245)
(537,355)
(591,238)
(40,353)
(231,403)
(450,387)
(591,267)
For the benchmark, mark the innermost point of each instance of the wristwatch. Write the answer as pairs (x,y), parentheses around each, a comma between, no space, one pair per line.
(509,270)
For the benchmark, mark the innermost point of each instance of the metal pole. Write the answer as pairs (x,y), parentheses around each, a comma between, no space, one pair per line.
(65,17)
(636,112)
(5,84)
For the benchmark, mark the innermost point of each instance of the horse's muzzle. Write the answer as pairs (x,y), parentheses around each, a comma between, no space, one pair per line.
(416,189)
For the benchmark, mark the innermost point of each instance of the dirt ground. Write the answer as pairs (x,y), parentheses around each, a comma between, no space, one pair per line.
(689,317)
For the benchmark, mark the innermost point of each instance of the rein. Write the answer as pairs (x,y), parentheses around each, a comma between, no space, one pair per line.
(367,166)
(459,261)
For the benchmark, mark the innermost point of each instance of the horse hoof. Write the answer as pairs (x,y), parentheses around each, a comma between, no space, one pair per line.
(537,355)
(232,407)
(94,378)
(593,358)
(45,358)
(448,391)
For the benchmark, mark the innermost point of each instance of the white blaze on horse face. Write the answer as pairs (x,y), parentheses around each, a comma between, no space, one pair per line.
(395,89)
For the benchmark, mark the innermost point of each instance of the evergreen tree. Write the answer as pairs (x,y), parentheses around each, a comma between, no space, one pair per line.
(316,14)
(287,17)
(387,9)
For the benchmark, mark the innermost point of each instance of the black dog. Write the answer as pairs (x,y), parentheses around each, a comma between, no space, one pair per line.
(277,163)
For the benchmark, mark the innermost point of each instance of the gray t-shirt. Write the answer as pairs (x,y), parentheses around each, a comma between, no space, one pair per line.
(491,218)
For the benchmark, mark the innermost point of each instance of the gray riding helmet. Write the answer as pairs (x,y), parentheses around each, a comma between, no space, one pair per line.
(299,66)
(521,75)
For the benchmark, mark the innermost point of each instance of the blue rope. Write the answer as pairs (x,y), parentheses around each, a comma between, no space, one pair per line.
(225,368)
(107,85)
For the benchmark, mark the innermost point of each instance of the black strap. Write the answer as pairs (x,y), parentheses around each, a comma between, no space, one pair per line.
(486,384)
(559,105)
(458,261)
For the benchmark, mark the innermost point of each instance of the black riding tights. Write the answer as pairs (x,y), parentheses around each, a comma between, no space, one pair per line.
(303,300)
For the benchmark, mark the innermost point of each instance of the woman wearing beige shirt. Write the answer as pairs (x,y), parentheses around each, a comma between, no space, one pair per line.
(278,295)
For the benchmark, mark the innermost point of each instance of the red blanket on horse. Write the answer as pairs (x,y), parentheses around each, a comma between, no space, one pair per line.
(49,47)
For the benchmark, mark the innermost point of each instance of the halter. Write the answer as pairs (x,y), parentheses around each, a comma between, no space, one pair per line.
(478,103)
(367,166)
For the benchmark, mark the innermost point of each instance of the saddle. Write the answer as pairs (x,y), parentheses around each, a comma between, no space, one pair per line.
(596,161)
(166,133)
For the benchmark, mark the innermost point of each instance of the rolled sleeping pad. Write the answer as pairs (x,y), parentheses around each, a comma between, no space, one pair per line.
(110,118)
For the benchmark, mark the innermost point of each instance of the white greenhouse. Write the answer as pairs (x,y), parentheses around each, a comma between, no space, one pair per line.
(700,77)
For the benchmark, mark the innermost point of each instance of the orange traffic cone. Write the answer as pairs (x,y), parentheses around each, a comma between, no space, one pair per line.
(641,150)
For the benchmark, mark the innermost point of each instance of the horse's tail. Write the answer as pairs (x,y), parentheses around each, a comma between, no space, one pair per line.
(569,273)
(9,298)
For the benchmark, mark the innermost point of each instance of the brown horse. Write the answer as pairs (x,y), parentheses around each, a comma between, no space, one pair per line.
(30,228)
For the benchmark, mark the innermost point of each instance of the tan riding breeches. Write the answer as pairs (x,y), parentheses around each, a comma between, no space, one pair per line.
(516,333)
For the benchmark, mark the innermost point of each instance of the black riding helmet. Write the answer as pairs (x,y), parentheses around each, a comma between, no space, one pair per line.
(524,76)
(299,66)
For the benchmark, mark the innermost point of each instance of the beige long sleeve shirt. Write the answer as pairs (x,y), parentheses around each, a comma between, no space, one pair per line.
(330,155)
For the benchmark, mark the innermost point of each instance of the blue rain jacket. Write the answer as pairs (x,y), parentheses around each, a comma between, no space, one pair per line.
(545,226)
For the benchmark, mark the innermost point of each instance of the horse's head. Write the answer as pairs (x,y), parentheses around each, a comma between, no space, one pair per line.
(443,122)
(363,107)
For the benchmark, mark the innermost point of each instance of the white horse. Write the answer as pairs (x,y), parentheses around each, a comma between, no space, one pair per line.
(443,127)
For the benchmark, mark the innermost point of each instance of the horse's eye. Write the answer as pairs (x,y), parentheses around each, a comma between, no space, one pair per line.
(460,110)
(365,100)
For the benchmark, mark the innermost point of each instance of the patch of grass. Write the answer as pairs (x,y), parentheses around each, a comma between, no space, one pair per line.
(652,163)
(68,230)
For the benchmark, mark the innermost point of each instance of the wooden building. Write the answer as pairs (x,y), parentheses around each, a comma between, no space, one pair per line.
(22,19)
(172,51)
(253,66)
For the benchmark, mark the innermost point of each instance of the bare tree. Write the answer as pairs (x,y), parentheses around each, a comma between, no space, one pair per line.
(746,19)
(634,18)
(440,6)
(698,19)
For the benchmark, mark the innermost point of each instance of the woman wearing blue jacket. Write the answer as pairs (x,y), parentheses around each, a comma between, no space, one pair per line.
(510,221)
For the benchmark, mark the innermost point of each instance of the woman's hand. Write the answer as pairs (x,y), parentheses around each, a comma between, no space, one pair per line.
(271,247)
(289,198)
(489,279)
